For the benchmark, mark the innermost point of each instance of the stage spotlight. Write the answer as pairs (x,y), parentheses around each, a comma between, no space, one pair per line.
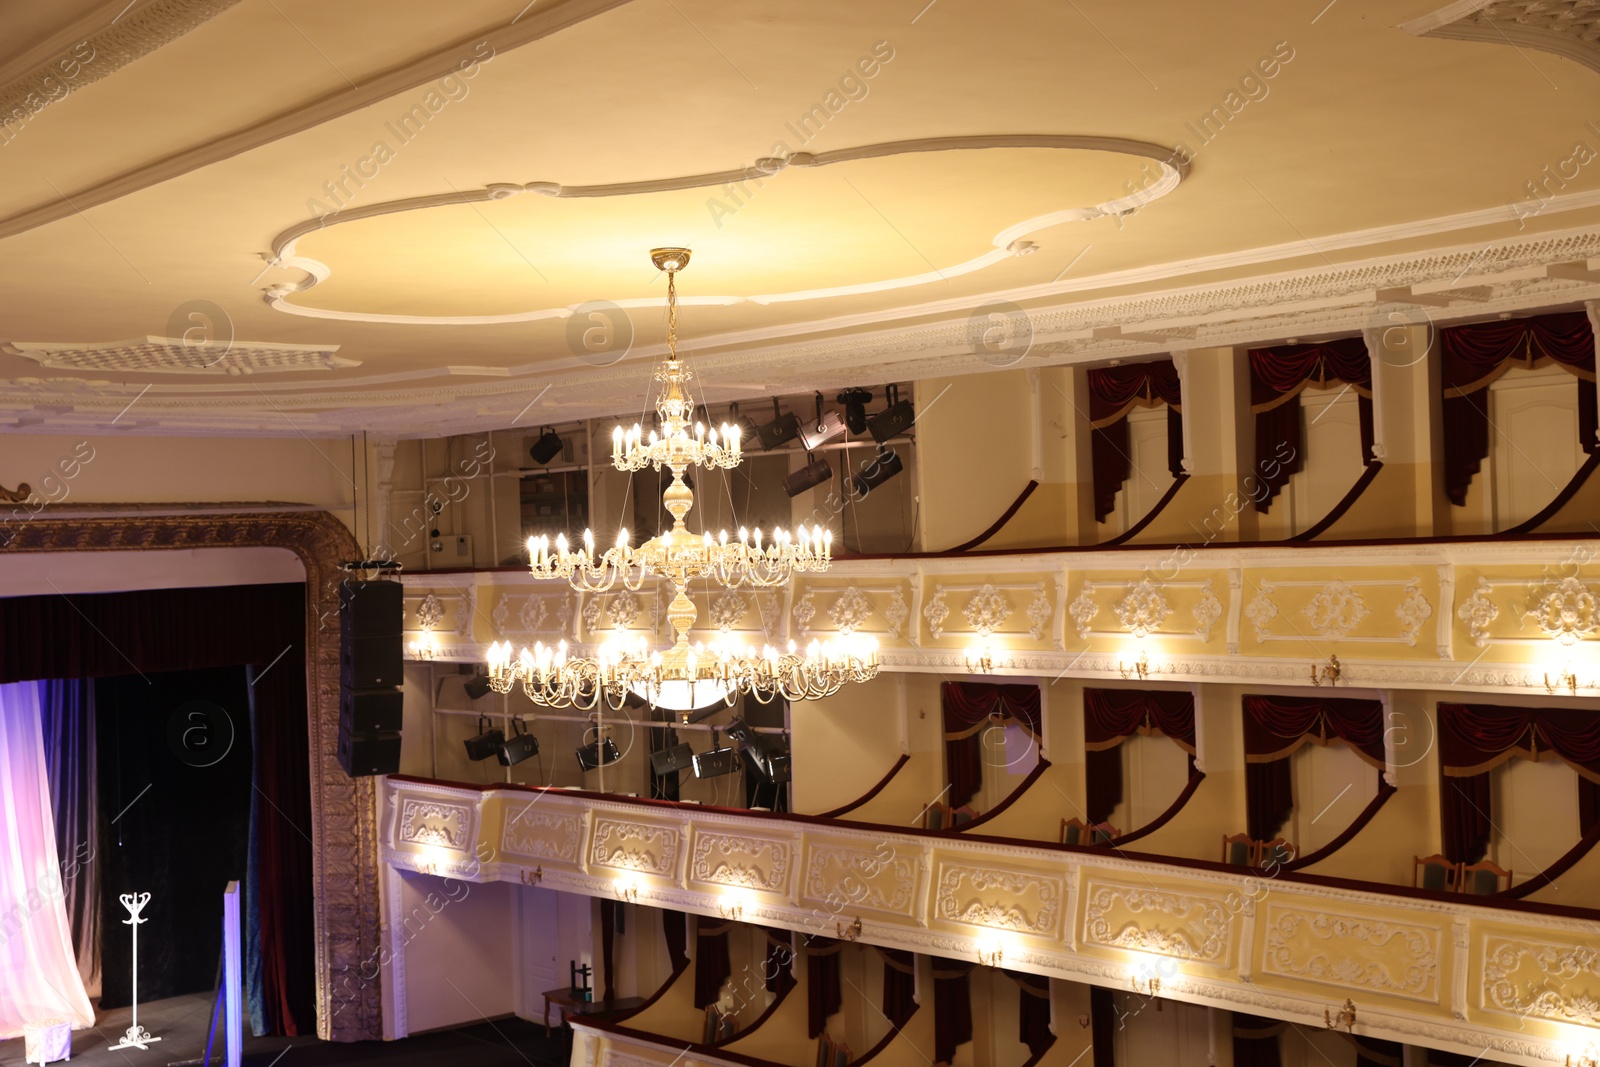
(894,420)
(740,731)
(547,447)
(518,747)
(784,427)
(814,473)
(598,754)
(487,743)
(855,403)
(827,426)
(679,757)
(748,430)
(716,762)
(873,473)
(476,687)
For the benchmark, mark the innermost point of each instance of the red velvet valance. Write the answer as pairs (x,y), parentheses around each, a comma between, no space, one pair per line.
(968,709)
(1111,716)
(712,966)
(1113,393)
(1474,738)
(1275,726)
(1277,377)
(1474,355)
(824,994)
(952,1007)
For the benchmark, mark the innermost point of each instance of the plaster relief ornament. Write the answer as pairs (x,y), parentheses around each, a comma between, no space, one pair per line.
(987,609)
(1478,611)
(850,610)
(1142,611)
(1568,613)
(1335,610)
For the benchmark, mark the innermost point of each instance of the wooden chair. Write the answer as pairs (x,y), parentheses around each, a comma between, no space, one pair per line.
(1483,878)
(1274,853)
(963,815)
(937,817)
(1239,850)
(1104,833)
(1073,831)
(1434,872)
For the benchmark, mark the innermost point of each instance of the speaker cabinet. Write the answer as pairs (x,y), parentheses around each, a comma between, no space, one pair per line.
(371,642)
(365,754)
(371,711)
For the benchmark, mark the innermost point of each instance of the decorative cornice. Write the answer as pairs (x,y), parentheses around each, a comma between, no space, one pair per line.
(1567,28)
(174,355)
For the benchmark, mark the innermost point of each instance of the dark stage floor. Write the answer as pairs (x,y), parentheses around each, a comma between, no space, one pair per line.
(182,1022)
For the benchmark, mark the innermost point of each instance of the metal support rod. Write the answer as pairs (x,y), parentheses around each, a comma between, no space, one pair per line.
(528,716)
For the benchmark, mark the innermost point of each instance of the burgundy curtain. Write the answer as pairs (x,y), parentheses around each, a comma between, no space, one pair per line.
(711,964)
(1275,726)
(1113,392)
(1110,717)
(283,860)
(1277,376)
(1103,1025)
(1474,355)
(1476,738)
(675,928)
(899,985)
(1371,1052)
(824,993)
(952,1007)
(608,941)
(780,962)
(1255,1041)
(969,708)
(1033,1011)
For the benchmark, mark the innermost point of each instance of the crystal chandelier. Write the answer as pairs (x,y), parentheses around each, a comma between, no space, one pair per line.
(684,676)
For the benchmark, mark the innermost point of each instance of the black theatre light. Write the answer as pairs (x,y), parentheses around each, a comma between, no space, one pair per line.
(784,427)
(598,754)
(679,757)
(894,420)
(716,762)
(875,471)
(827,426)
(740,731)
(855,403)
(488,741)
(476,687)
(518,747)
(547,447)
(814,473)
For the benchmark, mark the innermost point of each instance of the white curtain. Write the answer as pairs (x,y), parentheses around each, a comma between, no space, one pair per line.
(39,977)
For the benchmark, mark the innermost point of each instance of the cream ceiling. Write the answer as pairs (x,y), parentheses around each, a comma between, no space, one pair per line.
(168,184)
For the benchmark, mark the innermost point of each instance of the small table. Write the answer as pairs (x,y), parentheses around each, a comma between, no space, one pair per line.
(569,1003)
(47,1042)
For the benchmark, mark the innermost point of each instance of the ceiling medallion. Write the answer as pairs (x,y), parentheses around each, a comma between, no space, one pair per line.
(684,676)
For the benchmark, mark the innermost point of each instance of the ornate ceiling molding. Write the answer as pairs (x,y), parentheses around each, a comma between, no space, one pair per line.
(174,355)
(1004,244)
(1567,28)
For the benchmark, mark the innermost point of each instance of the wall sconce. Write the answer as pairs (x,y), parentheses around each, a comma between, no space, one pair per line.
(1346,1017)
(1149,987)
(980,656)
(1329,672)
(1140,668)
(1589,1057)
(425,646)
(533,877)
(848,933)
(426,867)
(627,890)
(1567,679)
(990,953)
(732,909)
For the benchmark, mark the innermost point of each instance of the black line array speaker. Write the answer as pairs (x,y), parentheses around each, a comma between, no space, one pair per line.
(371,668)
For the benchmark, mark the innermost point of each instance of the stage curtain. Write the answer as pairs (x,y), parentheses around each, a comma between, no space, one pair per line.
(1275,726)
(1474,355)
(1476,738)
(280,842)
(1103,1025)
(899,985)
(1371,1052)
(1033,1011)
(675,930)
(824,991)
(70,757)
(1110,717)
(779,972)
(711,964)
(608,943)
(1277,377)
(952,1007)
(39,977)
(969,708)
(1113,393)
(101,635)
(1255,1041)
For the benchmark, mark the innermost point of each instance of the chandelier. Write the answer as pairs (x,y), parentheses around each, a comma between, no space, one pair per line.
(684,676)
